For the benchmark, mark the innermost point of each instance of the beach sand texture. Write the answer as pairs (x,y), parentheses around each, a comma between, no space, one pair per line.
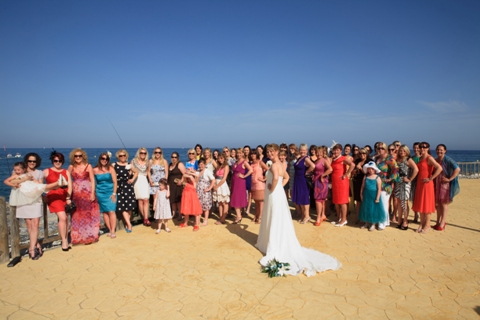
(214,274)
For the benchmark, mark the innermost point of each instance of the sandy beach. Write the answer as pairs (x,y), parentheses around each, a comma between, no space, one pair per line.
(214,274)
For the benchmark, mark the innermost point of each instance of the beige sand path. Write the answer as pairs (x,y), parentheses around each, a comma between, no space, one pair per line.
(214,274)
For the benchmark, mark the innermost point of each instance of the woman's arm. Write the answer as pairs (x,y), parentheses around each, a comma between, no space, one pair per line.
(114,179)
(328,170)
(286,177)
(438,168)
(379,190)
(149,176)
(70,186)
(91,176)
(412,165)
(165,165)
(274,169)
(363,187)
(310,165)
(350,165)
(212,180)
(224,178)
(247,166)
(12,181)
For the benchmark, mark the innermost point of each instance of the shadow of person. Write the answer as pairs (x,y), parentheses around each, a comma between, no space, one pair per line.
(241,231)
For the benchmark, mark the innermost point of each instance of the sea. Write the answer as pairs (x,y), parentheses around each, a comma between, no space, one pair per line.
(6,163)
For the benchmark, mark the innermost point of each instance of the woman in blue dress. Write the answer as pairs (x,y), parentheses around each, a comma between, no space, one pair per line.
(106,191)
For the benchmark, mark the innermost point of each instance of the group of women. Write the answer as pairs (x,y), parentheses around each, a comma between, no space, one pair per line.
(233,178)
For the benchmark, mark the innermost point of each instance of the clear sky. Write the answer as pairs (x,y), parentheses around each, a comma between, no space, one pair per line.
(177,73)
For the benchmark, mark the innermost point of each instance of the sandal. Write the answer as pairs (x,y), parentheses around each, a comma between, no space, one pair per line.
(168,230)
(182,225)
(113,236)
(34,256)
(196,228)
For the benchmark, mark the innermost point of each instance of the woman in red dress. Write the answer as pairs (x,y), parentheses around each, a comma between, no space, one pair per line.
(424,201)
(57,199)
(190,204)
(340,183)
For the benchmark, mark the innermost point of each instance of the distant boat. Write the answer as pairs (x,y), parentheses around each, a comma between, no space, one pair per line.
(18,155)
(9,155)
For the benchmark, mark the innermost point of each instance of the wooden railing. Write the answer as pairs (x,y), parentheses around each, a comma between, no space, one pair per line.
(10,246)
(469,168)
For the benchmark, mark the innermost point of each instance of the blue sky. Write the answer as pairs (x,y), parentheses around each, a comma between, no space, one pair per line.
(177,73)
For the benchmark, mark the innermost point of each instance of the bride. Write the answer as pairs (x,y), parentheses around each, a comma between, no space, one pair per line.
(277,238)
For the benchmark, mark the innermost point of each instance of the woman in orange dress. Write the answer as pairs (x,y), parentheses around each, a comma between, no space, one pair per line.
(424,203)
(190,204)
(340,183)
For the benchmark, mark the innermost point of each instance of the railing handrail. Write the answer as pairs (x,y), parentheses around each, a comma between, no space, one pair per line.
(469,168)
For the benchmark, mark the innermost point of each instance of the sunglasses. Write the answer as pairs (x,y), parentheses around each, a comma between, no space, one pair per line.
(381,148)
(424,147)
(174,157)
(122,155)
(103,158)
(158,152)
(57,161)
(191,153)
(32,161)
(391,150)
(142,153)
(78,156)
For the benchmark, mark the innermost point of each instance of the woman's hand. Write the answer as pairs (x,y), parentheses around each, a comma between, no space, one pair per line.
(405,179)
(426,180)
(445,179)
(114,197)
(129,181)
(92,197)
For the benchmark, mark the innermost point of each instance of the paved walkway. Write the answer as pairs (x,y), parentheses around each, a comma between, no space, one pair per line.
(214,274)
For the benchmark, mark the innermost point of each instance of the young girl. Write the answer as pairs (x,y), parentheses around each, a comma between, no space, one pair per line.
(24,190)
(206,181)
(372,210)
(162,205)
(221,192)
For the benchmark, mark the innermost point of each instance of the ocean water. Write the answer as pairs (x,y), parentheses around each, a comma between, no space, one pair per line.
(6,164)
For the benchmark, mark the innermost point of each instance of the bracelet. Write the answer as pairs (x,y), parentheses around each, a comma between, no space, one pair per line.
(114,194)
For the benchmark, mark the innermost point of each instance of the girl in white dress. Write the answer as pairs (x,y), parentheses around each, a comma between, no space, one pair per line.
(163,213)
(277,238)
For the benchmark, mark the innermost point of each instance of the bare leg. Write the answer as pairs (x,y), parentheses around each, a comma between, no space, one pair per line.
(258,211)
(343,213)
(319,207)
(238,212)
(32,228)
(106,219)
(197,220)
(126,217)
(306,212)
(249,200)
(357,209)
(206,213)
(426,226)
(113,222)
(63,228)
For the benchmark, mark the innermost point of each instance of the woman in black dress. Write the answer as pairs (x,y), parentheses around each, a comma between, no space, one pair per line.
(176,170)
(126,201)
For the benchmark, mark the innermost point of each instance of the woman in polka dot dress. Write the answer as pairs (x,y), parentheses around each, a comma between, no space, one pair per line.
(126,201)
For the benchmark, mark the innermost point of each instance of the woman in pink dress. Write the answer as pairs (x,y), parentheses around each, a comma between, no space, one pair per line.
(239,185)
(320,180)
(258,184)
(86,220)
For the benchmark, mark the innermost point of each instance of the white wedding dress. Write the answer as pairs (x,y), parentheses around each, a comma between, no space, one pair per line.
(277,238)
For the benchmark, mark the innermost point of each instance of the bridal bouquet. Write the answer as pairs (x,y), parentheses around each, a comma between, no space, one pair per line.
(275,268)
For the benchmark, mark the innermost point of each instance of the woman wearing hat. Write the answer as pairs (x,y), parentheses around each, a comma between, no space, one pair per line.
(372,210)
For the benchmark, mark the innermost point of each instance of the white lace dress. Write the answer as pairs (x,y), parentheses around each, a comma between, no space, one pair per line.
(277,238)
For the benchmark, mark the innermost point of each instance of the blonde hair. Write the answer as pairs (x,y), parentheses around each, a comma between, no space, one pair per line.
(161,154)
(405,148)
(72,156)
(273,146)
(138,152)
(303,145)
(122,151)
(205,150)
(240,151)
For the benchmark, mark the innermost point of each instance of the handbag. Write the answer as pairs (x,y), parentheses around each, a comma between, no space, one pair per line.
(309,179)
(71,207)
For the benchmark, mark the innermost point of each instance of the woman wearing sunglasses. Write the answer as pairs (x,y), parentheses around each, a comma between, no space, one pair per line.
(142,189)
(428,170)
(157,170)
(57,199)
(176,170)
(126,201)
(106,191)
(86,220)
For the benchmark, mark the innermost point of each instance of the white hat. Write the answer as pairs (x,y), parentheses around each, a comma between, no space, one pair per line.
(372,165)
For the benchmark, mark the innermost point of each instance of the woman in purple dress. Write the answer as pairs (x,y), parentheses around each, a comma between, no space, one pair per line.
(320,180)
(241,169)
(300,192)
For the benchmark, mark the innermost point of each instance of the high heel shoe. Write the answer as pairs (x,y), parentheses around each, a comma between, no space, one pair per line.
(341,224)
(35,256)
(237,221)
(439,228)
(39,252)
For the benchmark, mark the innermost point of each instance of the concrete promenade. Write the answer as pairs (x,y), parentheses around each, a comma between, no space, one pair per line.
(214,274)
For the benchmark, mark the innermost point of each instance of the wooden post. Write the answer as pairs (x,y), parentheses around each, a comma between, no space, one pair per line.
(4,252)
(45,221)
(14,232)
